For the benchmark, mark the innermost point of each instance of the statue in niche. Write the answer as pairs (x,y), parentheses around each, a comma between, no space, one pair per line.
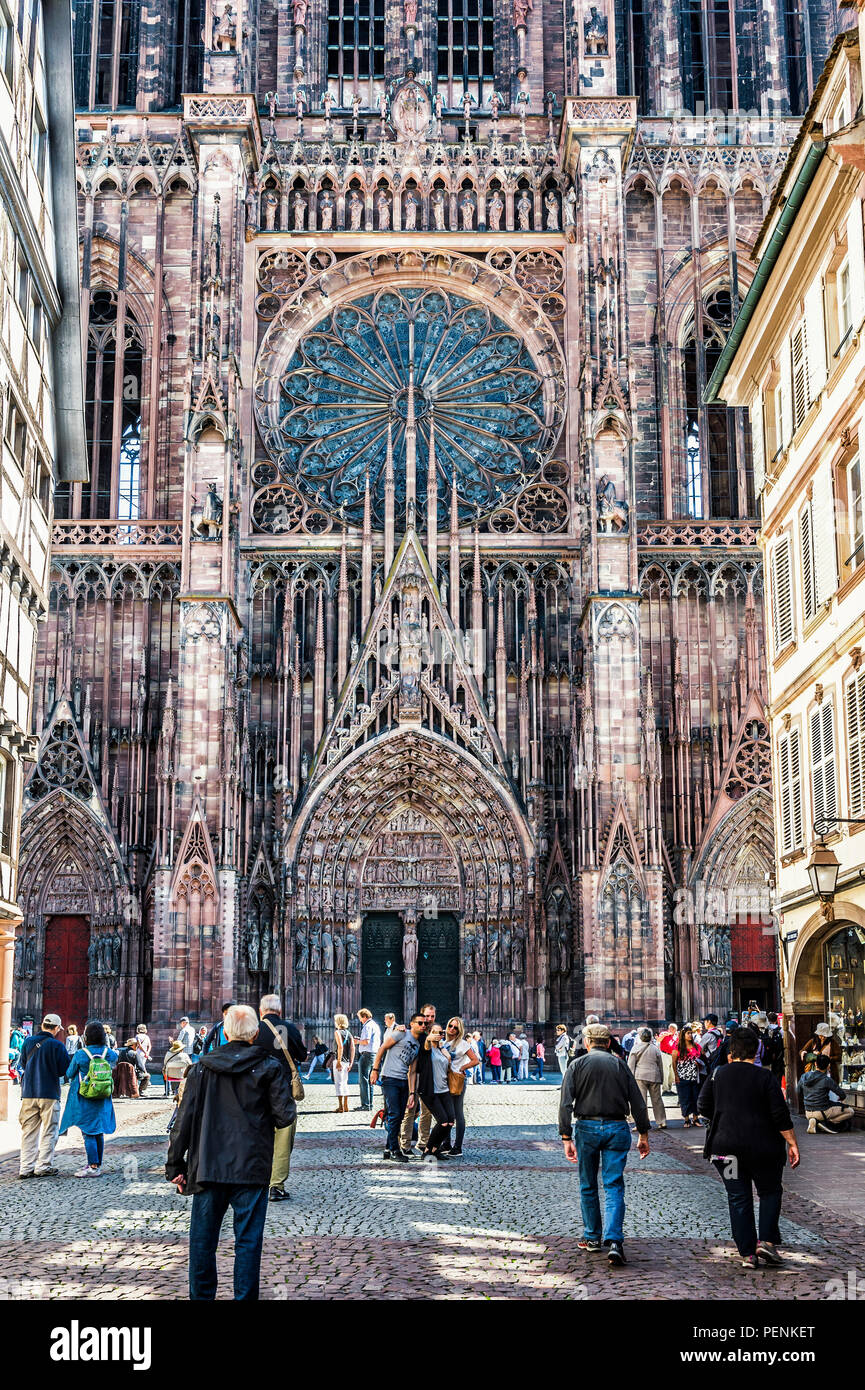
(521,13)
(551,203)
(326,211)
(506,941)
(468,953)
(207,520)
(410,645)
(438,209)
(410,10)
(524,211)
(18,960)
(326,949)
(116,951)
(315,947)
(382,204)
(412,204)
(570,207)
(266,947)
(518,958)
(612,514)
(30,955)
(724,954)
(338,953)
(495,209)
(252,949)
(92,956)
(493,948)
(299,9)
(225,31)
(298,204)
(467,210)
(596,33)
(301,949)
(350,953)
(271,203)
(355,210)
(409,949)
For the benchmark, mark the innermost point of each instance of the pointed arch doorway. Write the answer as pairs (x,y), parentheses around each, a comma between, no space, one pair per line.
(65,979)
(382,970)
(438,965)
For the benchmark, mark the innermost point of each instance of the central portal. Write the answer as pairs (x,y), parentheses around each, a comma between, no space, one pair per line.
(381,965)
(438,965)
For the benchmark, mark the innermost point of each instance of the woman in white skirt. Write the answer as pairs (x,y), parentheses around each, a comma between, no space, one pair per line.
(343,1060)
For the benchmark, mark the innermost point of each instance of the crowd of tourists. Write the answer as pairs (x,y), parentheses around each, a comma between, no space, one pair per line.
(235,1088)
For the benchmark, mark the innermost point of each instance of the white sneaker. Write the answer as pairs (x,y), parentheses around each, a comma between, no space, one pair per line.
(88,1172)
(812,1126)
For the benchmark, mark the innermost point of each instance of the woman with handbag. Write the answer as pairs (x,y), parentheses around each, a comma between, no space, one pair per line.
(431,1083)
(463,1056)
(343,1061)
(689,1070)
(88,1103)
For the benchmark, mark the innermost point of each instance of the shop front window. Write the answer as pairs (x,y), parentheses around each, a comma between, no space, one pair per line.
(844,955)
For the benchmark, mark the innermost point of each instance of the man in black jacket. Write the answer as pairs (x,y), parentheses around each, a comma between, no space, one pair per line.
(279,1037)
(598,1092)
(221,1150)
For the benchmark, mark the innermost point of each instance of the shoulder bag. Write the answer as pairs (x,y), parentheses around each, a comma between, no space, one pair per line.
(297,1091)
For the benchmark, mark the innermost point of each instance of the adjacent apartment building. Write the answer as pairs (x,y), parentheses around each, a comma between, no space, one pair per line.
(796,359)
(41,390)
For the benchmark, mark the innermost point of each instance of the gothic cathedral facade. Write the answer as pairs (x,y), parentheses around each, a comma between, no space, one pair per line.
(406,639)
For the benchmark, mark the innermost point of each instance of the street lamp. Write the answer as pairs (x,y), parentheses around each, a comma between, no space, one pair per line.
(823,865)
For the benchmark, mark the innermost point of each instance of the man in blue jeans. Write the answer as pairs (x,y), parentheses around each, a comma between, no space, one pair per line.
(221,1150)
(393,1062)
(598,1091)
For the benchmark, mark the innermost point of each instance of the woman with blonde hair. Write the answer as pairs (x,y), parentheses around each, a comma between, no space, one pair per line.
(343,1060)
(463,1056)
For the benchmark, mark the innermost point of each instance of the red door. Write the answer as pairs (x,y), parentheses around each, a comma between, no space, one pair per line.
(65,975)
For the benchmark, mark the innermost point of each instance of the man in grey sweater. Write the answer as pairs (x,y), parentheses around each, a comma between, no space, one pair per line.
(598,1092)
(821,1099)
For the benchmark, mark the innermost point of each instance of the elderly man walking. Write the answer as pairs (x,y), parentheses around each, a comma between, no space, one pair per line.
(221,1150)
(43,1061)
(283,1040)
(598,1091)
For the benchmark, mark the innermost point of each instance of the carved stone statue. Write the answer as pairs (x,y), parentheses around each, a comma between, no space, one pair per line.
(467,210)
(315,947)
(551,203)
(410,11)
(350,953)
(116,951)
(326,949)
(480,949)
(270,203)
(437,202)
(338,953)
(30,955)
(570,209)
(301,949)
(521,13)
(524,211)
(409,949)
(207,522)
(252,948)
(506,939)
(326,211)
(92,956)
(299,9)
(298,204)
(518,957)
(355,210)
(495,209)
(412,204)
(225,31)
(266,946)
(596,33)
(382,205)
(493,949)
(612,514)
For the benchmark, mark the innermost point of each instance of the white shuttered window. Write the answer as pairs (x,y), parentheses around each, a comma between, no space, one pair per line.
(809,570)
(790,791)
(782,593)
(800,375)
(855,703)
(823,779)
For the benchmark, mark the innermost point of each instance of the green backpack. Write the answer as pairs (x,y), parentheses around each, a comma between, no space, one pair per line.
(98,1083)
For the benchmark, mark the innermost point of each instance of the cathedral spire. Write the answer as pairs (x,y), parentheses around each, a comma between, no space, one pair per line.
(432,503)
(388,503)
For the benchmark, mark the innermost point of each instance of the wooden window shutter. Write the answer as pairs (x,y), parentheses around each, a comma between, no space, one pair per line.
(799,372)
(823,779)
(855,698)
(809,576)
(782,594)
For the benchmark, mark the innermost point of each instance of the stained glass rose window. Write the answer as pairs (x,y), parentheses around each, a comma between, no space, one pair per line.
(476,384)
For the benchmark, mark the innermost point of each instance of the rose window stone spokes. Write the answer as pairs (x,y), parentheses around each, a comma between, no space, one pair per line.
(477,388)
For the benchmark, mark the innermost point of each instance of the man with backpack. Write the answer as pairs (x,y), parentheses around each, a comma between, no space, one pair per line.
(282,1040)
(710,1043)
(43,1061)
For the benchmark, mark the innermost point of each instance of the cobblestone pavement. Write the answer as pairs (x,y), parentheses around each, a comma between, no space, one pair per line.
(500,1223)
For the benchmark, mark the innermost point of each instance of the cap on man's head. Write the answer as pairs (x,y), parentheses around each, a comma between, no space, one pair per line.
(183,1018)
(51,1021)
(596,1032)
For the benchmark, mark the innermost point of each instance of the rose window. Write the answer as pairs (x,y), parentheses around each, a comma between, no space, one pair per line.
(477,388)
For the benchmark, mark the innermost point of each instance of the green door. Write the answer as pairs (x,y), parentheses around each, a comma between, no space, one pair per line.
(438,965)
(381,965)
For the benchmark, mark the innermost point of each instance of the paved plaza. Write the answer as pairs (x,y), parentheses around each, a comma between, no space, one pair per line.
(500,1223)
